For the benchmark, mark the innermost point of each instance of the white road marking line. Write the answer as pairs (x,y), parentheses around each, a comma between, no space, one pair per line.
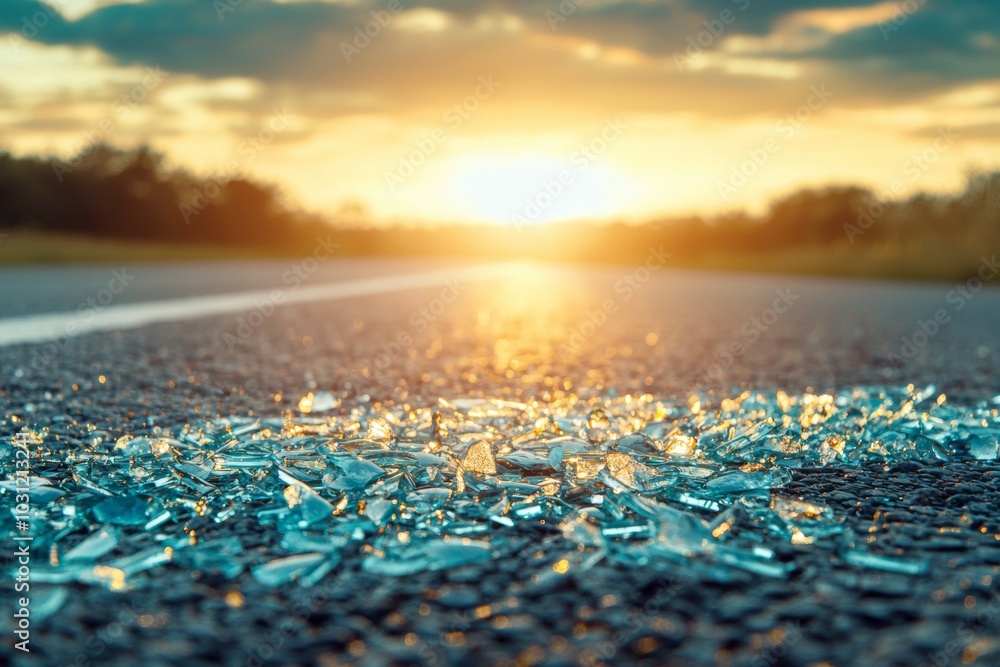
(49,326)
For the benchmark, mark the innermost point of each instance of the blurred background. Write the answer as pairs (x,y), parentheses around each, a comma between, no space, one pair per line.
(822,136)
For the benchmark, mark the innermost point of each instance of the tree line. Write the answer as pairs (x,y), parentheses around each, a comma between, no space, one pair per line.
(131,194)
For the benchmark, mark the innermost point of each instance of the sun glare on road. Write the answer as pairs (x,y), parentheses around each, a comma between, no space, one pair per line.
(530,189)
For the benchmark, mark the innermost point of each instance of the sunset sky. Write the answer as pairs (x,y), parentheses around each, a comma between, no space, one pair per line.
(480,111)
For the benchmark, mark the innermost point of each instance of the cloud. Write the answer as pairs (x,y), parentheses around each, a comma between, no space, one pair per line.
(976,132)
(272,40)
(49,124)
(259,39)
(604,54)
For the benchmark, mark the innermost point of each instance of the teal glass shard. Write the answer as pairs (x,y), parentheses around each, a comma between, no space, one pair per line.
(284,570)
(984,446)
(699,483)
(355,473)
(737,481)
(305,505)
(432,554)
(124,510)
(47,600)
(581,529)
(96,545)
(864,559)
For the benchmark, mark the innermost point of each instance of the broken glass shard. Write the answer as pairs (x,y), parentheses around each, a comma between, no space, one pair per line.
(40,489)
(794,510)
(428,500)
(695,501)
(319,402)
(47,600)
(355,473)
(525,460)
(146,559)
(325,567)
(103,575)
(379,430)
(737,481)
(628,471)
(752,563)
(428,555)
(861,558)
(581,529)
(123,510)
(301,542)
(624,530)
(283,570)
(96,545)
(222,556)
(984,447)
(305,505)
(555,458)
(675,531)
(128,445)
(479,459)
(679,444)
(698,484)
(379,510)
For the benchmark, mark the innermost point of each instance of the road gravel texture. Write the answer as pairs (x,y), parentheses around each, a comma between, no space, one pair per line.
(548,335)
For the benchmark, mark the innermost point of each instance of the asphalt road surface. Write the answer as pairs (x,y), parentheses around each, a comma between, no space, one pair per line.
(529,332)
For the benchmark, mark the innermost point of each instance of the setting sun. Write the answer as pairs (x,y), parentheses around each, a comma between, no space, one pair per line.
(530,189)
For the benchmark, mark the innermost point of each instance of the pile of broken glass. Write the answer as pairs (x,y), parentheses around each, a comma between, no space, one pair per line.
(627,479)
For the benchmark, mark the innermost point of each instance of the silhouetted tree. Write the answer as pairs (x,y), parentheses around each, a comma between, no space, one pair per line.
(109,192)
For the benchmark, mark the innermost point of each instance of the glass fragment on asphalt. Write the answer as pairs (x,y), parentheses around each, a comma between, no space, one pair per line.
(984,447)
(699,482)
(322,401)
(428,554)
(889,564)
(479,458)
(96,545)
(283,570)
(123,510)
